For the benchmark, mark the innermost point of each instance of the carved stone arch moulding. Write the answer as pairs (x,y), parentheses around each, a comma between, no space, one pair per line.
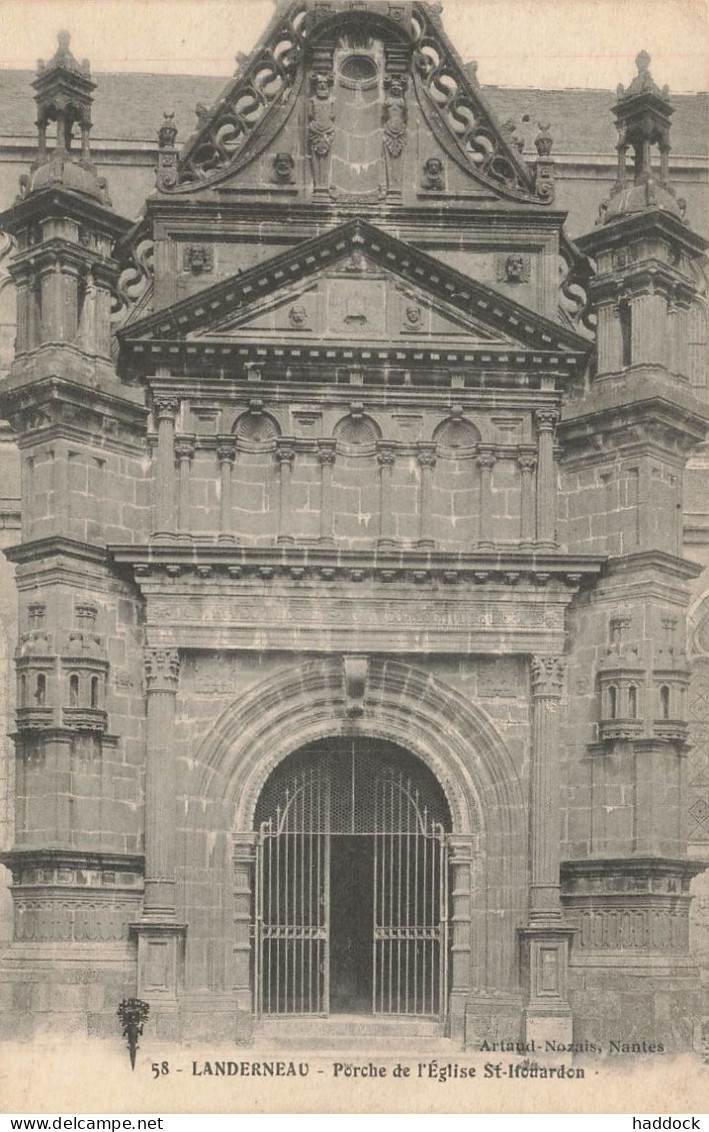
(405,705)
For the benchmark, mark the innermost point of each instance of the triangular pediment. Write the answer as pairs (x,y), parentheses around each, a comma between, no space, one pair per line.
(356,299)
(355,284)
(353,102)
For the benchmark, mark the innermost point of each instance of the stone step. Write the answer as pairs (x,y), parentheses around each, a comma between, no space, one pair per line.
(359,1046)
(353,1032)
(351,1025)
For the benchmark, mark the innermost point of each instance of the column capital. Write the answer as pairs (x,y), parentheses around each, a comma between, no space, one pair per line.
(426,455)
(527,459)
(327,451)
(184,447)
(546,420)
(486,456)
(162,669)
(548,674)
(386,456)
(285,452)
(166,408)
(226,450)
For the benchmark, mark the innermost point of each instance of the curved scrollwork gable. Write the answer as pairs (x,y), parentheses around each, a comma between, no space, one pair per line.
(261,98)
(252,109)
(457,114)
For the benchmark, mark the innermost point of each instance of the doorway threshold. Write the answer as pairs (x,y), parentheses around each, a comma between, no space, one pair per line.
(358,1032)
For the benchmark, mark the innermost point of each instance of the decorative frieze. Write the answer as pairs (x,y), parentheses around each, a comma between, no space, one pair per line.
(98,917)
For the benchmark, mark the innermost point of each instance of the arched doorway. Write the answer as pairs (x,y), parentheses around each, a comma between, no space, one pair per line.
(352,883)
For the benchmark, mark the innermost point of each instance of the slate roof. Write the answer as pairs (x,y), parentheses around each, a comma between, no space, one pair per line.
(128,107)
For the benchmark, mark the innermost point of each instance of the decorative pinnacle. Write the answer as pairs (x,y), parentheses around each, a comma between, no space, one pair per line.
(63,57)
(643,83)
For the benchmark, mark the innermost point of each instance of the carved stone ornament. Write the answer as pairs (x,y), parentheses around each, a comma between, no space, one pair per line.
(229,135)
(355,680)
(168,130)
(284,168)
(162,669)
(514,268)
(298,315)
(321,116)
(486,152)
(413,317)
(434,175)
(166,408)
(548,674)
(395,115)
(198,259)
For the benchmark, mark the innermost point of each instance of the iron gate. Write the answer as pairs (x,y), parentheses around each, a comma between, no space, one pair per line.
(410,897)
(358,789)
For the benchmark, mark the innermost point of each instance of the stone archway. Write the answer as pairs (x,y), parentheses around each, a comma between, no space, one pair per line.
(404,705)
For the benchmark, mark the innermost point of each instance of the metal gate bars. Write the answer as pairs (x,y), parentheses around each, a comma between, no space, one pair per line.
(410,898)
(352,790)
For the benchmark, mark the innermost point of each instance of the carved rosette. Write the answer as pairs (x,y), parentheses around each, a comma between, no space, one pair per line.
(162,670)
(548,673)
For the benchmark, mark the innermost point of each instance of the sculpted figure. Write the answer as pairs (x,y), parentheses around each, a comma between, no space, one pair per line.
(321,128)
(395,115)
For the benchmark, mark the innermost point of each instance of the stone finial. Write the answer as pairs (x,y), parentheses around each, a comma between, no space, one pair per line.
(544,141)
(168,130)
(643,83)
(63,57)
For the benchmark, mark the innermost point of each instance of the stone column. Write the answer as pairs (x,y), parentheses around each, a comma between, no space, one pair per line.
(386,459)
(546,496)
(285,455)
(545,941)
(166,409)
(162,668)
(160,937)
(527,460)
(244,869)
(545,828)
(326,456)
(184,451)
(486,462)
(226,455)
(461,863)
(427,462)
